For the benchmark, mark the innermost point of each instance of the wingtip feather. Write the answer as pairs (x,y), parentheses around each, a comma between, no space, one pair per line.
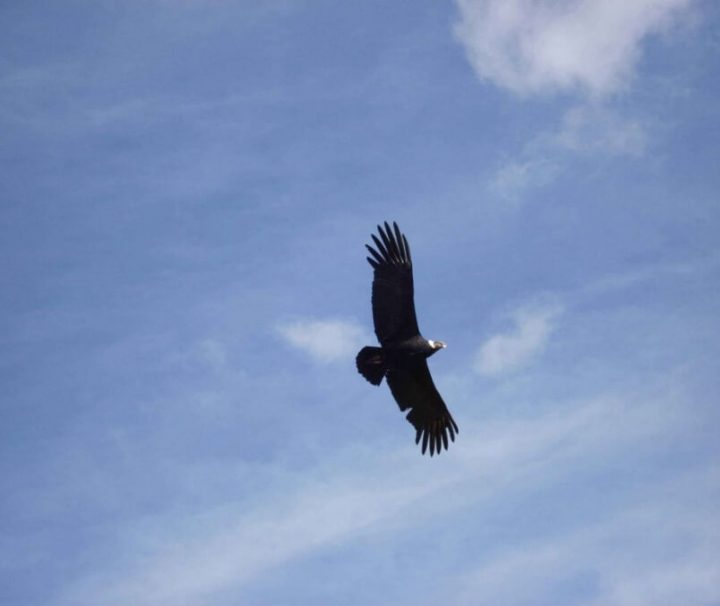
(389,243)
(381,248)
(399,240)
(374,253)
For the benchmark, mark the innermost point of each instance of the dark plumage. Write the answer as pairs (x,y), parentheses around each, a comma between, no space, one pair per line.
(402,356)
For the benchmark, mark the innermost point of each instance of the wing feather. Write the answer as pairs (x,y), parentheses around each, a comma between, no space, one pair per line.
(407,249)
(399,240)
(393,291)
(374,253)
(393,248)
(380,246)
(414,389)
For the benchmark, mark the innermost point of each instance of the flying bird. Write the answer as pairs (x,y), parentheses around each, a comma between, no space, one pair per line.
(403,352)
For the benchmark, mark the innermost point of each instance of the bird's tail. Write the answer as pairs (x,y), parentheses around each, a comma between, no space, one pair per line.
(370,363)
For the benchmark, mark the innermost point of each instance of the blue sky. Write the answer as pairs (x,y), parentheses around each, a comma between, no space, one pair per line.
(186,191)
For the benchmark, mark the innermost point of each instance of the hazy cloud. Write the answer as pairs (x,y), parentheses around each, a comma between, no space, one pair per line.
(634,557)
(508,351)
(213,353)
(518,176)
(185,211)
(584,129)
(532,46)
(591,128)
(228,547)
(325,340)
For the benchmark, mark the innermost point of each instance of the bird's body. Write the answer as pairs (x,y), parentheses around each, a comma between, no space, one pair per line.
(409,352)
(402,356)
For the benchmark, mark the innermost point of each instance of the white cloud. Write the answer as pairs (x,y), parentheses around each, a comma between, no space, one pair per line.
(592,128)
(190,558)
(661,550)
(584,129)
(506,352)
(516,177)
(233,549)
(325,340)
(624,577)
(533,46)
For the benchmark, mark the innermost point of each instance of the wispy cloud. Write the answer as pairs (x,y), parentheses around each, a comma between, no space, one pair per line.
(213,353)
(325,340)
(589,129)
(581,46)
(705,264)
(518,176)
(632,557)
(533,47)
(232,550)
(191,558)
(184,406)
(596,128)
(509,351)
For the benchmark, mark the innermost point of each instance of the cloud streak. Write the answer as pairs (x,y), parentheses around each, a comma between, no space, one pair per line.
(633,557)
(188,559)
(584,130)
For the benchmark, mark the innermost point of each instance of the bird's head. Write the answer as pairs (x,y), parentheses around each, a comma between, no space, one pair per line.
(436,345)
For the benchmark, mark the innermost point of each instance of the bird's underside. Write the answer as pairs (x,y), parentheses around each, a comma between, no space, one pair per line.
(402,356)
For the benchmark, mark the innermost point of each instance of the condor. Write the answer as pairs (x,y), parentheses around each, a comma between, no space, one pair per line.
(403,352)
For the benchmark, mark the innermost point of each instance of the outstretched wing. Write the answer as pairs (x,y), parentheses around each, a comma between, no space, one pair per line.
(414,388)
(392,290)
